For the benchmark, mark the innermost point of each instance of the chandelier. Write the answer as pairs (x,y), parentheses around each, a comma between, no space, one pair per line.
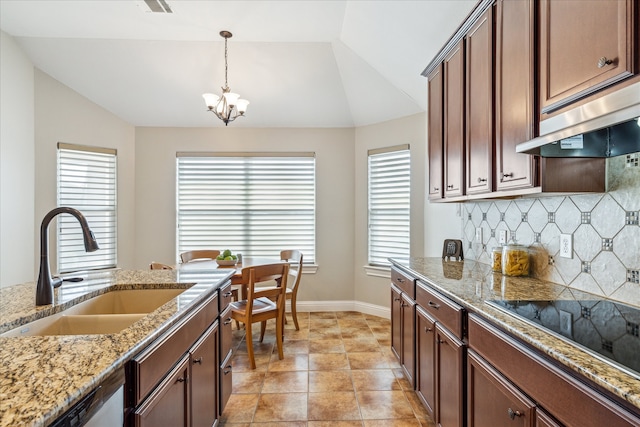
(229,106)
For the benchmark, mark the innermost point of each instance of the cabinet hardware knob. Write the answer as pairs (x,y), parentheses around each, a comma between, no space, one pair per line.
(604,61)
(513,414)
(227,294)
(449,187)
(436,189)
(433,304)
(396,299)
(442,341)
(427,329)
(400,280)
(507,175)
(198,360)
(404,305)
(227,321)
(227,370)
(482,180)
(181,380)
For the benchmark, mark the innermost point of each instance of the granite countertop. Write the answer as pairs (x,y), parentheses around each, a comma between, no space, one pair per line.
(42,376)
(471,284)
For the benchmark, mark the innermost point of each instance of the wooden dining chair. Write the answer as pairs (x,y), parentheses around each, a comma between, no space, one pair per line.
(159,266)
(262,304)
(189,256)
(294,258)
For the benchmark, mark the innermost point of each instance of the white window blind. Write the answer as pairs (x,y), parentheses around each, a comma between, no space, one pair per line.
(256,204)
(87,182)
(389,204)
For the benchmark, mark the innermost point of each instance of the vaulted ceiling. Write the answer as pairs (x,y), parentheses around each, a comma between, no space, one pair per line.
(304,63)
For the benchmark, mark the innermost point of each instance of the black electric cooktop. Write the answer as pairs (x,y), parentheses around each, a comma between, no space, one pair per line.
(605,329)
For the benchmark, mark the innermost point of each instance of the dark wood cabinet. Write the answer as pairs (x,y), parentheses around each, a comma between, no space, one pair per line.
(204,379)
(479,140)
(515,112)
(584,47)
(492,399)
(403,331)
(454,123)
(436,135)
(542,419)
(168,404)
(450,374)
(426,359)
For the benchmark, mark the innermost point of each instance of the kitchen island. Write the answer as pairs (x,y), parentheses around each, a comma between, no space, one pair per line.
(41,377)
(476,295)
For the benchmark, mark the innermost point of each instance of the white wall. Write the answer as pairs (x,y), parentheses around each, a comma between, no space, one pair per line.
(155,189)
(16,164)
(62,115)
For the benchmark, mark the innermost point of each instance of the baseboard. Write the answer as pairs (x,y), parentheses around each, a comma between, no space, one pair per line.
(361,307)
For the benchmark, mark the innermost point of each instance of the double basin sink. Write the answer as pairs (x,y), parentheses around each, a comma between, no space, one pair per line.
(104,314)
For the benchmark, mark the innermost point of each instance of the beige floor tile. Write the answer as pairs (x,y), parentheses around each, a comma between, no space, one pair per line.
(349,315)
(326,346)
(248,382)
(367,360)
(320,381)
(322,315)
(328,361)
(376,379)
(410,422)
(325,334)
(281,407)
(291,362)
(334,424)
(240,408)
(355,332)
(241,363)
(360,344)
(291,346)
(286,381)
(336,405)
(419,410)
(377,405)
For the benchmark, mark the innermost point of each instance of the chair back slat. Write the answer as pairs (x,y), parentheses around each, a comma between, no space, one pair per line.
(189,256)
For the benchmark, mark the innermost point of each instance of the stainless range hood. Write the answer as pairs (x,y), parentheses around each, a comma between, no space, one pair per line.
(606,127)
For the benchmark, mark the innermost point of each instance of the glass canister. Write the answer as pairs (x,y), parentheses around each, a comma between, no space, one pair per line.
(515,260)
(496,259)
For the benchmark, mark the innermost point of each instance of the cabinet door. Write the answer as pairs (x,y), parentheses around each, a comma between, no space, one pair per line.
(436,136)
(479,105)
(492,399)
(204,379)
(408,338)
(454,121)
(542,419)
(583,48)
(426,360)
(516,116)
(396,321)
(168,405)
(226,382)
(450,393)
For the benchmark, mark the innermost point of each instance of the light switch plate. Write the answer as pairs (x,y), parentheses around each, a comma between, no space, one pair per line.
(479,235)
(566,245)
(502,237)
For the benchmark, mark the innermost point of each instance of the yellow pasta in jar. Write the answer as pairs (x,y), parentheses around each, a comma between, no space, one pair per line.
(515,260)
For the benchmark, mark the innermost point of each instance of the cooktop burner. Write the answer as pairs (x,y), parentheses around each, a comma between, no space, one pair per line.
(605,329)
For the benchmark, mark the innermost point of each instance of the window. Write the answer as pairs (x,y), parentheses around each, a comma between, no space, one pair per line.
(253,203)
(389,204)
(87,182)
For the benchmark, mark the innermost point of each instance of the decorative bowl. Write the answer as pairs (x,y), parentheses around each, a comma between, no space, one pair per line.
(226,262)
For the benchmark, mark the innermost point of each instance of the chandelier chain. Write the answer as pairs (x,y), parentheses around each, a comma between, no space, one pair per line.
(226,64)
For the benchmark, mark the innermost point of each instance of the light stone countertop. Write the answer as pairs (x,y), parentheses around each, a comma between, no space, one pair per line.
(471,284)
(43,376)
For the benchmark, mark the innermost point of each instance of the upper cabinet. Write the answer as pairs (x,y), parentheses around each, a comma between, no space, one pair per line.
(584,47)
(436,135)
(454,122)
(514,93)
(479,106)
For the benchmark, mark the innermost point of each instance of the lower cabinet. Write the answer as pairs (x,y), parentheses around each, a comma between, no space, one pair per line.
(403,331)
(426,360)
(492,399)
(450,372)
(204,379)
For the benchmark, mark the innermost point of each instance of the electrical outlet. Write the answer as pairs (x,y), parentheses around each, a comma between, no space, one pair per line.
(502,237)
(566,245)
(478,235)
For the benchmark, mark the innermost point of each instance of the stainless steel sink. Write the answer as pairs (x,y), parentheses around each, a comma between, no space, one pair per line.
(105,314)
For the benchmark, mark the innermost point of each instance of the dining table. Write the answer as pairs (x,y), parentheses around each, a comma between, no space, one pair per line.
(201,266)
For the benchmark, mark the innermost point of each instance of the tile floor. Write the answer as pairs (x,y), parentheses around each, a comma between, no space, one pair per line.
(338,370)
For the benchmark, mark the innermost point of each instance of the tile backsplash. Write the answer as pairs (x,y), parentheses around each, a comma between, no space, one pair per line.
(605,230)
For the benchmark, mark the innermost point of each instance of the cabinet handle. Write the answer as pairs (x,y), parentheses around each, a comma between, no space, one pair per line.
(433,304)
(400,280)
(513,414)
(450,186)
(604,61)
(198,360)
(181,380)
(227,321)
(428,329)
(436,189)
(480,180)
(442,341)
(404,305)
(507,175)
(396,299)
(227,294)
(227,370)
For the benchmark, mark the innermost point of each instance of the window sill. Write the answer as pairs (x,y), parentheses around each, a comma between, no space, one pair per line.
(378,271)
(309,268)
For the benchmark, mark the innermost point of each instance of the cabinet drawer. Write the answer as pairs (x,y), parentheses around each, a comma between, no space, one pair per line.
(566,397)
(226,333)
(155,361)
(225,296)
(445,311)
(404,282)
(226,384)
